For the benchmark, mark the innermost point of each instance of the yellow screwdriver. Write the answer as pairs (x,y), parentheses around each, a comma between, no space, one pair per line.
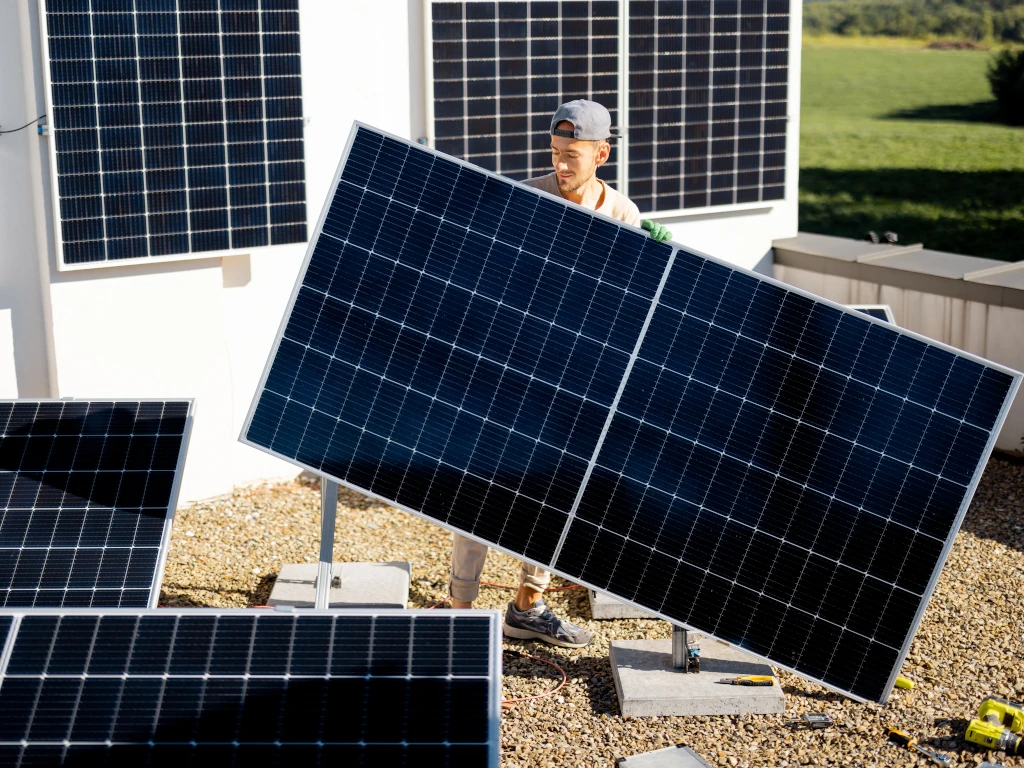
(765,680)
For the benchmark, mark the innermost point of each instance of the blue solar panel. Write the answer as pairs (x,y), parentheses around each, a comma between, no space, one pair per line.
(176,127)
(87,493)
(232,688)
(457,344)
(706,443)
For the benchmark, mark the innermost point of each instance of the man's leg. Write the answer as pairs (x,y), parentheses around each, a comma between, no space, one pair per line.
(533,580)
(468,556)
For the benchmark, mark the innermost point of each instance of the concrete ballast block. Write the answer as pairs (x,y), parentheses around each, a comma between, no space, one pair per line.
(359,585)
(647,684)
(604,607)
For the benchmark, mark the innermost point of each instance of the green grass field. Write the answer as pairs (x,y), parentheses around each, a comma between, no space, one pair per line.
(896,137)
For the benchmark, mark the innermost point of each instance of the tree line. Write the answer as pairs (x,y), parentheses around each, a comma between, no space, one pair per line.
(976,20)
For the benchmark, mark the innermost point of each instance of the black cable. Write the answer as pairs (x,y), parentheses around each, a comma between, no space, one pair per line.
(26,125)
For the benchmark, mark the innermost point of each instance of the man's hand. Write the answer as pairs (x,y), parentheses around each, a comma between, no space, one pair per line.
(658,232)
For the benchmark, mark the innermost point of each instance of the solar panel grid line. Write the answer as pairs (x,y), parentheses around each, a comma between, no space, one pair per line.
(224,114)
(266,127)
(142,134)
(793,353)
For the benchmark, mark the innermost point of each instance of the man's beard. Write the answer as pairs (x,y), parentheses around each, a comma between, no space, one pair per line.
(570,186)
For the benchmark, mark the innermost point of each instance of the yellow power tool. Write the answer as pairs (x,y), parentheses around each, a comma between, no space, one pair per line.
(998,726)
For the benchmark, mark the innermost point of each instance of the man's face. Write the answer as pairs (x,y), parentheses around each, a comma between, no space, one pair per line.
(576,161)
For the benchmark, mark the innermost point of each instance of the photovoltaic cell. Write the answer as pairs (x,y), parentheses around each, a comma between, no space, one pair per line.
(231,688)
(176,127)
(707,102)
(500,70)
(87,493)
(732,454)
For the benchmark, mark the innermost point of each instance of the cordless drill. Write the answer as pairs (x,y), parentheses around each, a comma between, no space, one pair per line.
(998,726)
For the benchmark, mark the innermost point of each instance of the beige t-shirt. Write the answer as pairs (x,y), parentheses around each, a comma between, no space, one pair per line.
(611,202)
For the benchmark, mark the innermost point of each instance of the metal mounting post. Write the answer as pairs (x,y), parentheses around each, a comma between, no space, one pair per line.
(328,514)
(679,648)
(685,652)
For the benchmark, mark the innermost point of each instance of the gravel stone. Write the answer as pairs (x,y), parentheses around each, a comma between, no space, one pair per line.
(226,552)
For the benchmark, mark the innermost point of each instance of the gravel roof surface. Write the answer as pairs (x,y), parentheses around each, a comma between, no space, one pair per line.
(226,552)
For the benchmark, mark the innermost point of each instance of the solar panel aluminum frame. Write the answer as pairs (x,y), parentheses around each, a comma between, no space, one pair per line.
(495,661)
(884,308)
(172,503)
(1017,376)
(622,129)
(54,196)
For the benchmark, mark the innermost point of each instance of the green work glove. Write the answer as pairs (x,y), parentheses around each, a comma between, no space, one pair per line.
(658,232)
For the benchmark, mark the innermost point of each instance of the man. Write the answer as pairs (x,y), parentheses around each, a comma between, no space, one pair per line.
(580,132)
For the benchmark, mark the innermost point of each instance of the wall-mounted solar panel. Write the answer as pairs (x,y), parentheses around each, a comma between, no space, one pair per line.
(233,688)
(499,70)
(878,311)
(698,90)
(87,493)
(176,127)
(732,454)
(707,102)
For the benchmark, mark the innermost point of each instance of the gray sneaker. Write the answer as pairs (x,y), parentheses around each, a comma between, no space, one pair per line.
(540,623)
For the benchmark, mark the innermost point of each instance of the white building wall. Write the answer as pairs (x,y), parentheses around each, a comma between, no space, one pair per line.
(203,328)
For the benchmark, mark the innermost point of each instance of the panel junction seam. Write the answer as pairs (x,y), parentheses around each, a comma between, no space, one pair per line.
(615,403)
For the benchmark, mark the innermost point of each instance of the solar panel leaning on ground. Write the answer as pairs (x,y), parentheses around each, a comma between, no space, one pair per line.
(706,443)
(205,687)
(878,311)
(498,70)
(177,127)
(87,494)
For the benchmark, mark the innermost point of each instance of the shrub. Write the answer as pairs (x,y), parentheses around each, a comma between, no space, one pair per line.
(1006,79)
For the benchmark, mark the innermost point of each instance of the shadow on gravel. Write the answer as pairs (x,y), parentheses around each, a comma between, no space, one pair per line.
(822,696)
(178,595)
(596,675)
(997,510)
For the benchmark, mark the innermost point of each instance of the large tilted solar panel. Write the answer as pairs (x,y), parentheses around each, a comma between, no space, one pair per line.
(176,127)
(734,455)
(236,688)
(707,102)
(499,70)
(87,494)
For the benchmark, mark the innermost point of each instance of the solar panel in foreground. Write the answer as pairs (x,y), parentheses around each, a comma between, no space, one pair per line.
(87,494)
(734,455)
(233,688)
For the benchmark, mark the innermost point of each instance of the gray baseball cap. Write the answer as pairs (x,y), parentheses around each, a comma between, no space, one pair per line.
(590,121)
